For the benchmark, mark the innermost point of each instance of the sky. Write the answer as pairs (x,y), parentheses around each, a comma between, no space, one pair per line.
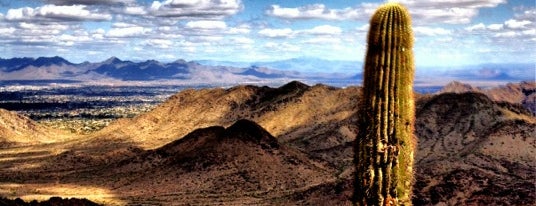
(447,32)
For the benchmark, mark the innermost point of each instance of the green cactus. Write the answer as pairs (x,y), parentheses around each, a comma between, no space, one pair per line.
(385,143)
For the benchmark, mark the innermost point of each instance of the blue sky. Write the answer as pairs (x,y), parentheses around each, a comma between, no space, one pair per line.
(447,33)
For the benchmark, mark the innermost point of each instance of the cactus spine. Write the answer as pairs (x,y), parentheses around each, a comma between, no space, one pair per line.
(385,143)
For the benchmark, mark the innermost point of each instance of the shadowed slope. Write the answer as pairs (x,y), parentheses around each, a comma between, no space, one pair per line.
(243,162)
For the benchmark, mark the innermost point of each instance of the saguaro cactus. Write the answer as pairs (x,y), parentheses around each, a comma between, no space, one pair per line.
(385,144)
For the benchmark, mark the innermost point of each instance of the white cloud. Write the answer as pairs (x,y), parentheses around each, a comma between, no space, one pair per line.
(89,2)
(525,13)
(322,40)
(159,43)
(56,13)
(241,29)
(324,30)
(195,8)
(277,33)
(7,31)
(122,25)
(122,32)
(242,40)
(429,31)
(31,29)
(204,24)
(447,11)
(422,11)
(320,11)
(134,10)
(495,27)
(206,40)
(517,24)
(282,47)
(476,27)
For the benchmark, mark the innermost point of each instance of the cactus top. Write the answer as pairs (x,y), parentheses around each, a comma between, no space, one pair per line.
(381,24)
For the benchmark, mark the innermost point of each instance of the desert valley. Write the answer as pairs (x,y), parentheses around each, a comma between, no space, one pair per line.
(286,145)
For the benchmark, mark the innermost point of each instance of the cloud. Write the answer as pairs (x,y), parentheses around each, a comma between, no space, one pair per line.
(242,40)
(320,11)
(517,24)
(322,40)
(7,31)
(422,11)
(195,8)
(159,43)
(206,24)
(89,2)
(134,10)
(56,13)
(324,30)
(445,11)
(429,31)
(124,32)
(525,13)
(282,47)
(277,33)
(495,27)
(240,29)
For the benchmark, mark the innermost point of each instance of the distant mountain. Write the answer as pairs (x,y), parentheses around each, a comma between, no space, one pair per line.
(14,64)
(148,70)
(523,94)
(9,65)
(302,65)
(57,68)
(337,72)
(489,72)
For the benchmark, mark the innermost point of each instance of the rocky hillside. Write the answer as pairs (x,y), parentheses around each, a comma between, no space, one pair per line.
(297,149)
(286,112)
(474,151)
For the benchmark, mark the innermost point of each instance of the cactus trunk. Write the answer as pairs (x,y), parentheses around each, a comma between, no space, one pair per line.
(385,143)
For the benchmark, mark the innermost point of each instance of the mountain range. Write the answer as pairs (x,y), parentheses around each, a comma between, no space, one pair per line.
(207,71)
(291,145)
(114,69)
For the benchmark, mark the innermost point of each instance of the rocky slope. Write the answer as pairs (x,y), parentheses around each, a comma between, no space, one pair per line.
(472,150)
(16,129)
(242,163)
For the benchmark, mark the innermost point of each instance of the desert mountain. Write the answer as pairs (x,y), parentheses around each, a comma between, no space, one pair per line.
(242,163)
(286,112)
(472,150)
